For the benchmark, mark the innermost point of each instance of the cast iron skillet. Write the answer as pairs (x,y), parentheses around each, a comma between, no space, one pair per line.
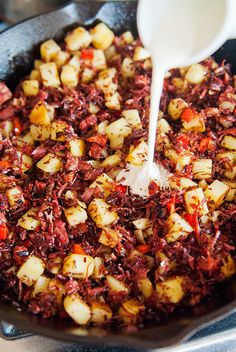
(18,47)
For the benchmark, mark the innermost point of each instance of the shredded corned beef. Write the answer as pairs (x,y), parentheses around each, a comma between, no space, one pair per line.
(140,258)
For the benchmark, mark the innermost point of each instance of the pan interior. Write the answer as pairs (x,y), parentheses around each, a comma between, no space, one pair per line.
(19,45)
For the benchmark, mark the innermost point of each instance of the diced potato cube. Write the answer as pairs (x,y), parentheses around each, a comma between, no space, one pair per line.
(35,75)
(127,68)
(6,181)
(181,183)
(202,169)
(75,215)
(171,154)
(195,201)
(195,124)
(142,223)
(77,309)
(228,157)
(109,237)
(77,147)
(110,52)
(147,65)
(112,101)
(61,58)
(145,287)
(117,131)
(132,117)
(177,223)
(99,60)
(40,133)
(195,74)
(141,54)
(163,126)
(79,38)
(104,183)
(101,214)
(75,62)
(102,36)
(229,267)
(180,84)
(50,163)
(100,312)
(164,145)
(15,196)
(30,87)
(116,285)
(171,290)
(231,174)
(130,310)
(226,106)
(79,266)
(29,221)
(93,109)
(231,195)
(37,64)
(216,193)
(49,50)
(178,228)
(137,155)
(127,38)
(71,196)
(54,265)
(39,114)
(112,160)
(176,107)
(105,80)
(101,127)
(31,270)
(69,76)
(58,131)
(94,163)
(229,142)
(26,162)
(41,285)
(6,128)
(57,288)
(98,271)
(87,75)
(49,74)
(182,161)
(27,138)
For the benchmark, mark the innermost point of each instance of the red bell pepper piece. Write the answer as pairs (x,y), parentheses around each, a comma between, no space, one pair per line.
(3,232)
(204,143)
(99,139)
(87,54)
(120,189)
(183,140)
(4,164)
(192,219)
(17,126)
(143,248)
(171,204)
(187,114)
(77,249)
(153,188)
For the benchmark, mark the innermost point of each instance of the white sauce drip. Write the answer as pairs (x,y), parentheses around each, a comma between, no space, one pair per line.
(138,179)
(174,31)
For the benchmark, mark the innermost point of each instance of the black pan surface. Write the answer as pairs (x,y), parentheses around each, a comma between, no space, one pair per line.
(18,47)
